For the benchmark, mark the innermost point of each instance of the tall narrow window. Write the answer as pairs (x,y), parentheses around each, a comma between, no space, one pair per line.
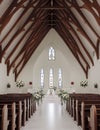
(51,77)
(42,78)
(51,53)
(60,78)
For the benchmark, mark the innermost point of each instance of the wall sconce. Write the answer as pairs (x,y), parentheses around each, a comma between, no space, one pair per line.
(95,85)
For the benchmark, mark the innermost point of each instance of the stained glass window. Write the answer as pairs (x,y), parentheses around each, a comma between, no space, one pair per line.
(51,77)
(42,78)
(51,53)
(59,78)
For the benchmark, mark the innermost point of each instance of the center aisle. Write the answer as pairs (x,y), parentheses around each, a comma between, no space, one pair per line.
(50,115)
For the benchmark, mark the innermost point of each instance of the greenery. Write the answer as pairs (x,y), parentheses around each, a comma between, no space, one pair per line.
(20,84)
(84,83)
(63,95)
(38,95)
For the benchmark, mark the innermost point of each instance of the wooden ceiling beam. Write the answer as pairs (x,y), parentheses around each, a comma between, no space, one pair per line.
(28,19)
(23,49)
(89,6)
(74,21)
(12,9)
(36,24)
(98,45)
(76,6)
(17,74)
(1,1)
(64,38)
(0,51)
(16,34)
(22,14)
(69,27)
(29,41)
(73,43)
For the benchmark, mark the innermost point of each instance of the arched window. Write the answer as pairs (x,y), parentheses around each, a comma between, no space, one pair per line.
(42,78)
(51,53)
(60,78)
(51,77)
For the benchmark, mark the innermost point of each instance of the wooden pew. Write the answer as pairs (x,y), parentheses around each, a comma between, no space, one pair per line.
(94,119)
(25,107)
(23,113)
(27,104)
(78,107)
(85,112)
(75,107)
(72,101)
(29,101)
(12,116)
(19,115)
(17,110)
(4,122)
(77,99)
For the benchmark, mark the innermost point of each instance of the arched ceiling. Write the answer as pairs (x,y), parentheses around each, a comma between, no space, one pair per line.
(24,24)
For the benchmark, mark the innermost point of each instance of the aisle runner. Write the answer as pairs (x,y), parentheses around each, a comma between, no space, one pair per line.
(51,99)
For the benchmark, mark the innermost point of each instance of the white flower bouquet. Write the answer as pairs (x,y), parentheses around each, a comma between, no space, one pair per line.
(63,95)
(84,83)
(20,84)
(36,96)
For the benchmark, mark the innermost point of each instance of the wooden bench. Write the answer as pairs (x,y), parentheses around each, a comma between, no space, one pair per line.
(85,112)
(77,101)
(71,104)
(94,119)
(24,108)
(4,122)
(28,97)
(19,110)
(78,107)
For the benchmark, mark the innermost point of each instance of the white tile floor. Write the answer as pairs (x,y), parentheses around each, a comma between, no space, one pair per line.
(50,115)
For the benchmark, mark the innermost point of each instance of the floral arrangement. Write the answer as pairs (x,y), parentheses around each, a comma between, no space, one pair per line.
(20,84)
(38,95)
(63,95)
(84,83)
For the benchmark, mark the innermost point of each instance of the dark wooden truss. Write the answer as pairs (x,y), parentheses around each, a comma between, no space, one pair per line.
(35,18)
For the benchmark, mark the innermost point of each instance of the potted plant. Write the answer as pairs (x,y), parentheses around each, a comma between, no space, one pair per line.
(84,83)
(20,84)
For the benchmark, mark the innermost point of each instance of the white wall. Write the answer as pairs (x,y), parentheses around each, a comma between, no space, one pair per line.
(4,79)
(70,68)
(94,76)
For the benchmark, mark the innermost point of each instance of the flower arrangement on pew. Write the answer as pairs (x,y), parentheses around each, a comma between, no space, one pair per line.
(84,83)
(63,95)
(20,84)
(37,96)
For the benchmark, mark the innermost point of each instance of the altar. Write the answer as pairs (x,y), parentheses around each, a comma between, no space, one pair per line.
(50,91)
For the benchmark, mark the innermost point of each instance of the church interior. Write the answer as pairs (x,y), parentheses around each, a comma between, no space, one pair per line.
(49,49)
